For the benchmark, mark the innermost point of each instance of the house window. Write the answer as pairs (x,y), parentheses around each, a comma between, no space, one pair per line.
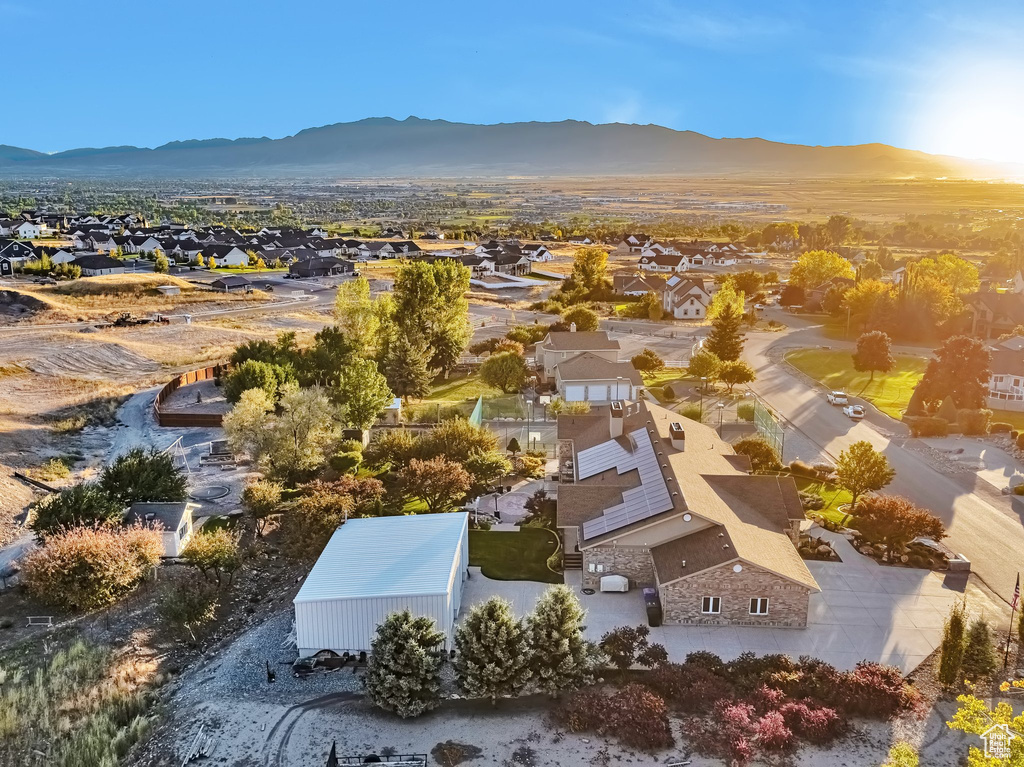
(711,605)
(759,606)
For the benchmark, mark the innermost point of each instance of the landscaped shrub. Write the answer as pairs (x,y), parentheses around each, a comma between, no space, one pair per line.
(801,469)
(634,715)
(815,724)
(693,412)
(728,735)
(974,421)
(927,426)
(745,411)
(1020,441)
(707,660)
(811,501)
(692,689)
(1018,489)
(771,732)
(670,395)
(627,646)
(1000,427)
(583,712)
(979,659)
(763,456)
(875,690)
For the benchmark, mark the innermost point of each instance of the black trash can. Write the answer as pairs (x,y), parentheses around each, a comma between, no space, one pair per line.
(653,604)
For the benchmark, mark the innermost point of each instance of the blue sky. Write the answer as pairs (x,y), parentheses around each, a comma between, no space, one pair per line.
(939,76)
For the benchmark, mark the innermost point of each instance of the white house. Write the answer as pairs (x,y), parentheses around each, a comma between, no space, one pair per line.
(374,567)
(1006,381)
(559,346)
(663,262)
(580,239)
(97,265)
(175,521)
(631,285)
(590,378)
(685,299)
(26,230)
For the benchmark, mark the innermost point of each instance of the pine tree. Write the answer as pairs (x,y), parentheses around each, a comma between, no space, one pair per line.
(948,410)
(725,340)
(916,406)
(406,370)
(493,659)
(979,659)
(404,674)
(561,658)
(953,645)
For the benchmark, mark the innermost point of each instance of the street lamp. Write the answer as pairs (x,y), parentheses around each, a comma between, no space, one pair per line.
(703,383)
(721,411)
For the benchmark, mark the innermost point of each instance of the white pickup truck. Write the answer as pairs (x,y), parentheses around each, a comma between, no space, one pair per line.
(837,398)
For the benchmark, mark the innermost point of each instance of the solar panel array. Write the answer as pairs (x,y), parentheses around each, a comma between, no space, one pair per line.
(650,498)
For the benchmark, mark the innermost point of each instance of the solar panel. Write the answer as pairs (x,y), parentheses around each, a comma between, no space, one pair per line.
(650,498)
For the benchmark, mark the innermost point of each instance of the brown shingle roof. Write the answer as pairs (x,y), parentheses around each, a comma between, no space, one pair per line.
(580,341)
(590,367)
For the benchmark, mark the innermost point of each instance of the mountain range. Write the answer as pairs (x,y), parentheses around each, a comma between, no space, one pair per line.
(383,147)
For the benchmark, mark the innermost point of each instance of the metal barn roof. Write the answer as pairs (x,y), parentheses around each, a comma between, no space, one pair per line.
(387,557)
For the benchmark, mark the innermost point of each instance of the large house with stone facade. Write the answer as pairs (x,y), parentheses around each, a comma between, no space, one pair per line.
(662,500)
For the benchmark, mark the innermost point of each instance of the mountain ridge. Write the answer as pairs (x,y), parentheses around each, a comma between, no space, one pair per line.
(385,146)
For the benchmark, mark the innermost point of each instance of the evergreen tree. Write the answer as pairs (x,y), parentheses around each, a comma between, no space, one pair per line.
(404,674)
(979,659)
(493,659)
(725,340)
(406,368)
(561,658)
(953,645)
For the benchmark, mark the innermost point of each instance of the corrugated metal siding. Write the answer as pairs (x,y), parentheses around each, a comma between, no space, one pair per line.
(350,625)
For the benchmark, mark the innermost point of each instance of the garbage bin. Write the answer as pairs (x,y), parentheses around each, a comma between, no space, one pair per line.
(652,602)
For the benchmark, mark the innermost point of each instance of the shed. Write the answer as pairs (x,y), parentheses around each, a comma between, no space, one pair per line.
(175,519)
(374,567)
(231,282)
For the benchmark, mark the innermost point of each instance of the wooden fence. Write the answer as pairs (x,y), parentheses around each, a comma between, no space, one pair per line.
(184,418)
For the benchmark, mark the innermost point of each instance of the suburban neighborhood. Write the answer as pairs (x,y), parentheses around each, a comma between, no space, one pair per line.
(651,395)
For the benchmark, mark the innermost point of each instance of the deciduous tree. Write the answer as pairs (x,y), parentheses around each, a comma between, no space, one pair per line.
(705,364)
(261,500)
(584,318)
(960,369)
(873,353)
(894,522)
(506,371)
(438,482)
(144,475)
(214,553)
(763,457)
(816,267)
(861,469)
(362,394)
(736,372)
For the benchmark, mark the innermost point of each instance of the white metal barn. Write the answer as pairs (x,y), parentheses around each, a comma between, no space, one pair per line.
(374,567)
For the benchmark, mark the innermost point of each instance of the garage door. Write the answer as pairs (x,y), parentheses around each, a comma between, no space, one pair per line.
(575,393)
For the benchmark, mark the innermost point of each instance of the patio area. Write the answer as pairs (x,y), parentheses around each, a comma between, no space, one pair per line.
(865,611)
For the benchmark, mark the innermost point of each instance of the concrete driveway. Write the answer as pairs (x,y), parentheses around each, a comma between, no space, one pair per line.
(864,612)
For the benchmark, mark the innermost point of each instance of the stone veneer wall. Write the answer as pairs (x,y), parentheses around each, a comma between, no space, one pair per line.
(632,561)
(787,605)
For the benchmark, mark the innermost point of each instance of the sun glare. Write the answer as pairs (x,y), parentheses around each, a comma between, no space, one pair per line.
(977,113)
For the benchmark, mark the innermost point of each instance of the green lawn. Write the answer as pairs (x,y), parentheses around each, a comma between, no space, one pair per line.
(834,497)
(889,392)
(507,555)
(1012,417)
(462,390)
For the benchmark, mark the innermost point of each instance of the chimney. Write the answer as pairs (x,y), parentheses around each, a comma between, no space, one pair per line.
(677,436)
(572,327)
(616,417)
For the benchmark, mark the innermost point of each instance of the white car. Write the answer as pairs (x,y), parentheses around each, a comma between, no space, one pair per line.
(760,306)
(837,398)
(856,412)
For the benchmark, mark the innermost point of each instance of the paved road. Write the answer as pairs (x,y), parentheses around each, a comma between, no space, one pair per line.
(986,530)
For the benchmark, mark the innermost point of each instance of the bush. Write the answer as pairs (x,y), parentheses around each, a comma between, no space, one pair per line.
(345,463)
(141,475)
(875,691)
(811,501)
(771,732)
(926,426)
(189,606)
(214,553)
(528,334)
(819,725)
(648,361)
(634,715)
(1000,427)
(763,456)
(82,505)
(670,396)
(583,712)
(745,411)
(692,412)
(801,469)
(1020,441)
(1018,489)
(979,659)
(902,754)
(627,646)
(974,421)
(87,568)
(689,688)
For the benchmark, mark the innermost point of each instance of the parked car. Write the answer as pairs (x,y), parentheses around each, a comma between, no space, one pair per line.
(760,306)
(856,412)
(837,398)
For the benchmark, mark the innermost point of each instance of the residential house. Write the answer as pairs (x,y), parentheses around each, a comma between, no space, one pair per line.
(231,282)
(96,265)
(378,250)
(536,253)
(56,255)
(991,314)
(580,239)
(1006,380)
(174,520)
(814,296)
(663,262)
(225,254)
(25,230)
(17,251)
(511,263)
(591,378)
(685,299)
(663,501)
(634,243)
(321,267)
(6,267)
(631,285)
(561,345)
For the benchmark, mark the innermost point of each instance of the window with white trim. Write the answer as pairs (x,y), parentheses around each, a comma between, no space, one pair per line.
(711,605)
(759,606)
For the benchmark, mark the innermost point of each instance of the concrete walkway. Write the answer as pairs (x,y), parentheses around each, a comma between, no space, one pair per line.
(865,611)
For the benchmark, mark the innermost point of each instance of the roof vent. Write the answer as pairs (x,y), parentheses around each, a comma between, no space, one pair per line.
(721,535)
(725,546)
(683,563)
